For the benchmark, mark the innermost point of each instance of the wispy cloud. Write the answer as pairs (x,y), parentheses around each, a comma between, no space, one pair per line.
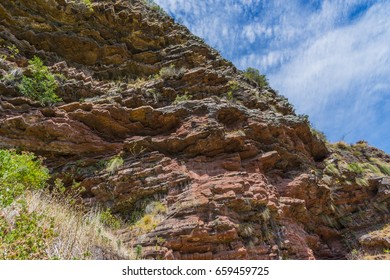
(330,58)
(340,78)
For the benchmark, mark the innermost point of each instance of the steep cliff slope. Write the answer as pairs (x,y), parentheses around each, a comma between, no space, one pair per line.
(200,162)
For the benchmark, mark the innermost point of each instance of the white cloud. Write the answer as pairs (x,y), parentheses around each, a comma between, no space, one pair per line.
(334,69)
(341,77)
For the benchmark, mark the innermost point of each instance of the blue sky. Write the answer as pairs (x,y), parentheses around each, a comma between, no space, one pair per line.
(331,59)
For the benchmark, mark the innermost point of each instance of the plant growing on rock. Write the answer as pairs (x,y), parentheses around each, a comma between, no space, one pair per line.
(84,3)
(41,84)
(171,72)
(181,98)
(12,78)
(355,167)
(254,75)
(382,165)
(233,87)
(318,134)
(109,220)
(114,164)
(154,213)
(18,173)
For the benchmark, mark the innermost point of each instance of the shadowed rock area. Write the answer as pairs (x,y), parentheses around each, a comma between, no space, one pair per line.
(240,175)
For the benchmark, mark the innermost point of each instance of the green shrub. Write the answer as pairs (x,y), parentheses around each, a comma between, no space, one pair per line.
(138,252)
(254,75)
(181,98)
(362,182)
(114,164)
(332,169)
(153,215)
(233,87)
(26,237)
(355,167)
(19,172)
(41,86)
(342,145)
(21,235)
(109,220)
(88,4)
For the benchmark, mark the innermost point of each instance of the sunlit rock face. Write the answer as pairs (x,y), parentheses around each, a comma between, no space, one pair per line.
(150,115)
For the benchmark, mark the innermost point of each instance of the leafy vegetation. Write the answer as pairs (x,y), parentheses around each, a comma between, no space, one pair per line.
(109,220)
(233,87)
(331,169)
(181,98)
(12,51)
(254,75)
(362,182)
(114,164)
(21,236)
(38,224)
(88,4)
(41,85)
(342,145)
(18,173)
(355,167)
(368,167)
(24,237)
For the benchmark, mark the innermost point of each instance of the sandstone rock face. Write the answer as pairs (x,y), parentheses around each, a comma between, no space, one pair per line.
(240,179)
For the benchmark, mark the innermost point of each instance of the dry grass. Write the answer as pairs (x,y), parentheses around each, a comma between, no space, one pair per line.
(78,234)
(154,215)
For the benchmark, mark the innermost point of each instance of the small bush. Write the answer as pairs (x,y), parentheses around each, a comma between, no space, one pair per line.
(181,98)
(109,220)
(38,224)
(25,237)
(332,170)
(154,213)
(233,87)
(114,164)
(355,167)
(254,75)
(342,145)
(19,172)
(41,86)
(88,4)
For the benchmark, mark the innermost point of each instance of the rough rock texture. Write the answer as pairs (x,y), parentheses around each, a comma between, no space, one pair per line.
(241,177)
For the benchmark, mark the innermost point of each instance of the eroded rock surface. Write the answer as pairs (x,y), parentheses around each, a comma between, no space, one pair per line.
(241,177)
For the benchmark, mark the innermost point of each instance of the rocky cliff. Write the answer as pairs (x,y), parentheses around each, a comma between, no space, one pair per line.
(199,161)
